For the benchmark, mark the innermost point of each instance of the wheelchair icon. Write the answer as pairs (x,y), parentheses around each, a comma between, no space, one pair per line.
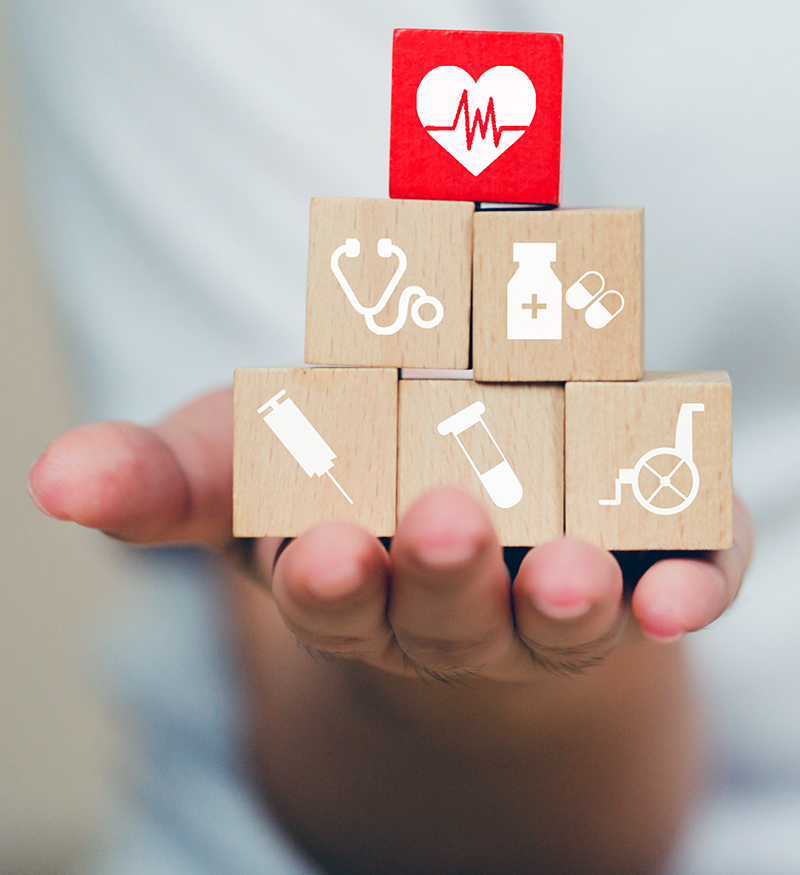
(659,468)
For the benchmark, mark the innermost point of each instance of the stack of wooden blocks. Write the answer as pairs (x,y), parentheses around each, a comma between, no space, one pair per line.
(471,263)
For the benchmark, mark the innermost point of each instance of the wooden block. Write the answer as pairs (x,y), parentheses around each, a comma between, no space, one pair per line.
(648,464)
(558,295)
(422,250)
(476,116)
(290,425)
(514,435)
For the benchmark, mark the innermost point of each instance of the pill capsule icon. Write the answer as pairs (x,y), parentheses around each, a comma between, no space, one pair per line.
(499,479)
(578,296)
(598,314)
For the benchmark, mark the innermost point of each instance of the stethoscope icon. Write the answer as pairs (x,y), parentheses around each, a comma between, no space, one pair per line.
(352,249)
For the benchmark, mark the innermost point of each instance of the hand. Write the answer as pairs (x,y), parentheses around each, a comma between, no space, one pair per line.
(438,604)
(508,766)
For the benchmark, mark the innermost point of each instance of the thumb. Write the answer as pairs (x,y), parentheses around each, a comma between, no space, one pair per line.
(168,483)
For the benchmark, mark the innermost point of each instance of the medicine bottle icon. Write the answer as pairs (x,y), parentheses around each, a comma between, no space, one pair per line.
(534,294)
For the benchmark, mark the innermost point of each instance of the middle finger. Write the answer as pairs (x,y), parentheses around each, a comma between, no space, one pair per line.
(450,597)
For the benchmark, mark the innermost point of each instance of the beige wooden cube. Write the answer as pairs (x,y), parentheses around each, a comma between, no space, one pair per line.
(389,283)
(311,445)
(648,464)
(502,444)
(558,295)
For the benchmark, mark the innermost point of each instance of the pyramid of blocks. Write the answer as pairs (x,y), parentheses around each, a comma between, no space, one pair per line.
(470,331)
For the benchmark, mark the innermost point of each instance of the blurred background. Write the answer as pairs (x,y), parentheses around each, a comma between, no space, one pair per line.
(57,740)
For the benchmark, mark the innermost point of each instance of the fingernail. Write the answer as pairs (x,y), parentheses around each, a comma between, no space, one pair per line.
(446,554)
(561,612)
(664,639)
(32,491)
(338,579)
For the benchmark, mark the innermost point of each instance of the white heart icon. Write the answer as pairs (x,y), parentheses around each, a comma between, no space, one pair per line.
(476,121)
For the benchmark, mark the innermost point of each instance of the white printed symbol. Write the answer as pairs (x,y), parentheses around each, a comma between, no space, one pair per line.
(300,438)
(476,121)
(656,473)
(352,249)
(499,480)
(534,296)
(598,315)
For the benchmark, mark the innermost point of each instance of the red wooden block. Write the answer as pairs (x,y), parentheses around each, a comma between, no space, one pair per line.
(476,116)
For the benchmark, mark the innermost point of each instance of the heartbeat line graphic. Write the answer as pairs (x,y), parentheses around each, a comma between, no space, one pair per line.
(479,122)
(475,138)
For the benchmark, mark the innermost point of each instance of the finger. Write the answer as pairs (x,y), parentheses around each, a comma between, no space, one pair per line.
(681,595)
(167,483)
(330,585)
(450,602)
(568,604)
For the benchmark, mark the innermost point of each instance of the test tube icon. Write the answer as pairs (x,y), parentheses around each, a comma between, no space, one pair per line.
(300,438)
(499,481)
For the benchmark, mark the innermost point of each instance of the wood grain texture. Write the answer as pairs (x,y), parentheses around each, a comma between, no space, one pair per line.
(355,412)
(609,241)
(527,422)
(611,426)
(436,237)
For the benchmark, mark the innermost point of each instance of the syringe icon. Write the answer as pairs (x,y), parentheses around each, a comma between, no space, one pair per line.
(300,438)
